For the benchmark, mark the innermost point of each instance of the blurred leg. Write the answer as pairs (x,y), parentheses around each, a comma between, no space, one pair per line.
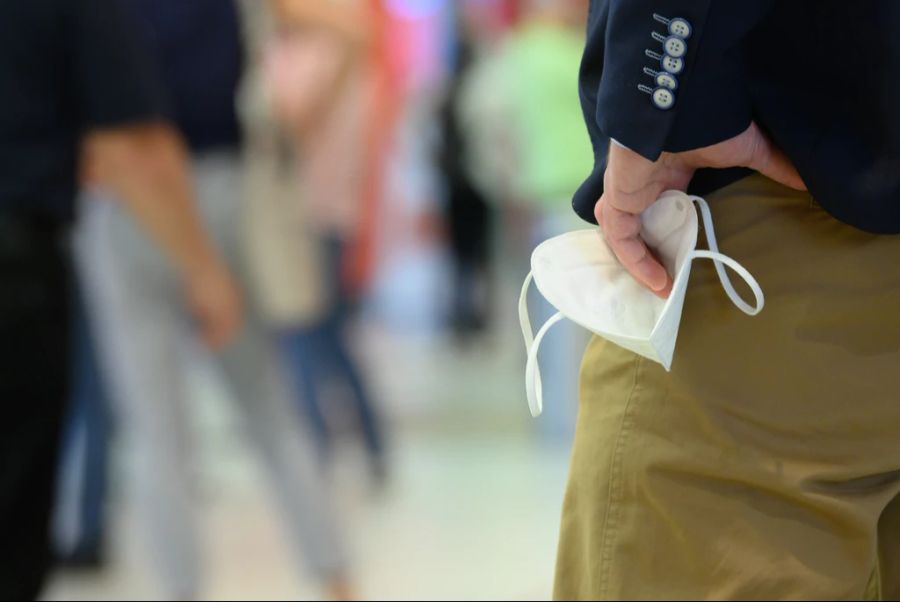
(34,329)
(347,372)
(469,220)
(81,501)
(300,348)
(140,325)
(96,469)
(341,364)
(251,369)
(285,448)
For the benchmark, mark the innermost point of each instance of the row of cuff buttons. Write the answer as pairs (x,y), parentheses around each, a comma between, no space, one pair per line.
(672,62)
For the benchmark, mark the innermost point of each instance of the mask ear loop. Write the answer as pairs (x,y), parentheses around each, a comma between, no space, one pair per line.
(719,259)
(533,387)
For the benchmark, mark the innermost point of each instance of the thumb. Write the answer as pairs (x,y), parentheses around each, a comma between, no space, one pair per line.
(768,160)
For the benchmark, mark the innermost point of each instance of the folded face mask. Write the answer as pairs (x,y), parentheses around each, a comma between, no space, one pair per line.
(581,277)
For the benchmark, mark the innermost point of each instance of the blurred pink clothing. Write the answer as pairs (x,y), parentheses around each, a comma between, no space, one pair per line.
(300,70)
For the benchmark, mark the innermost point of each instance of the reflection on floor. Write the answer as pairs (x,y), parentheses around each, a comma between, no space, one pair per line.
(472,511)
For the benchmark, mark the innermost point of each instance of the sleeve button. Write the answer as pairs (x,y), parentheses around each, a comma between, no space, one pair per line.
(672,64)
(680,27)
(666,80)
(663,98)
(675,46)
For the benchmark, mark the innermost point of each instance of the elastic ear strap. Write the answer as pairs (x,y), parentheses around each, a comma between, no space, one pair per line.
(524,321)
(719,259)
(533,386)
(533,389)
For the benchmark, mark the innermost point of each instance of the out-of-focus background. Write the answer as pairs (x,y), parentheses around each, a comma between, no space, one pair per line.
(380,170)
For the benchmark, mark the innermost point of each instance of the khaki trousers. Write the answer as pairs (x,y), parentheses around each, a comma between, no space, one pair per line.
(766,464)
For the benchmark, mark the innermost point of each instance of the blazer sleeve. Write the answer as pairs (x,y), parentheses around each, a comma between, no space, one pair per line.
(663,75)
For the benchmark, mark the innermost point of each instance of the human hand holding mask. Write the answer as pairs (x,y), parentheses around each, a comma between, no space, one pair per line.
(626,282)
(633,183)
(579,274)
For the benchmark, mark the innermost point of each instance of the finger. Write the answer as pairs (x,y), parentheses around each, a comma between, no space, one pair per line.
(633,202)
(619,224)
(642,265)
(774,164)
(666,290)
(622,233)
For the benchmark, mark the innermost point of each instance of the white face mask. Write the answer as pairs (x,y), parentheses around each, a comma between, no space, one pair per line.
(581,277)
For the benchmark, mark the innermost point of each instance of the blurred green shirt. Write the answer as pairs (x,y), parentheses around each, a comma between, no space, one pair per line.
(540,62)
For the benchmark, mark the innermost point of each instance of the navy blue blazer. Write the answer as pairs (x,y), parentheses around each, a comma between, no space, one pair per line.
(821,77)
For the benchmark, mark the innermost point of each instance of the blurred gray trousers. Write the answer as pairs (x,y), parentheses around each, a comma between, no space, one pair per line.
(143,327)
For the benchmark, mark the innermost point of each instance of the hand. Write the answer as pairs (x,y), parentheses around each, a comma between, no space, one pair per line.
(632,183)
(215,303)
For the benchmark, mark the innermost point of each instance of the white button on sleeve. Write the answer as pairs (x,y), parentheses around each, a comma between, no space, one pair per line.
(675,46)
(666,80)
(663,98)
(673,65)
(680,27)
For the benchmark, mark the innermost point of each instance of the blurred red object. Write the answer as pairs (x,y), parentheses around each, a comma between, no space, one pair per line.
(361,255)
(510,11)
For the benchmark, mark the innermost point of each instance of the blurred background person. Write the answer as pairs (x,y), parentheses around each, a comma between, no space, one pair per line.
(468,213)
(74,77)
(143,332)
(307,107)
(528,147)
(475,494)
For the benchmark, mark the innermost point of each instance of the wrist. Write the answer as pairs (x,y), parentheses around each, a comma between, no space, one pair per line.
(627,165)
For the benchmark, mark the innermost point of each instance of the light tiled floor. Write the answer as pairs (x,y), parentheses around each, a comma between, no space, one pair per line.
(472,511)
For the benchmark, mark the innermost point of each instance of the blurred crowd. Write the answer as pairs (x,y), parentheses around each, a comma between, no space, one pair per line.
(293,119)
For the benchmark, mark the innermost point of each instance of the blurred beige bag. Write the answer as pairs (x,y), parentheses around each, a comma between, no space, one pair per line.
(283,252)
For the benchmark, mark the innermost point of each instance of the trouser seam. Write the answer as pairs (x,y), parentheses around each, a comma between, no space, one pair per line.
(614,498)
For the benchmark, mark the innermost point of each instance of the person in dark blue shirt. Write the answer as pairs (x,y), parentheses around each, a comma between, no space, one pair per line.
(197,49)
(78,99)
(140,312)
